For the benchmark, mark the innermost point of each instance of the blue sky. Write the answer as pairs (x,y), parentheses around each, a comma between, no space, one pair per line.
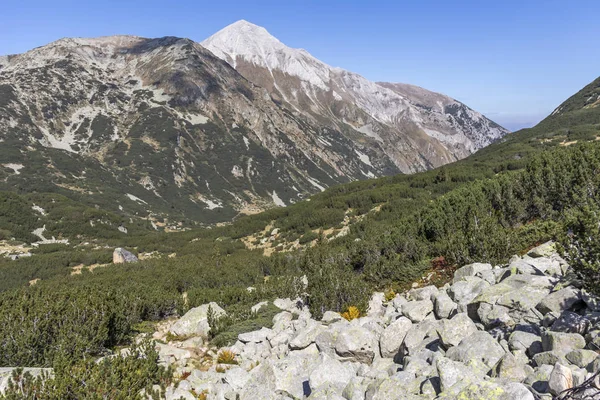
(515,61)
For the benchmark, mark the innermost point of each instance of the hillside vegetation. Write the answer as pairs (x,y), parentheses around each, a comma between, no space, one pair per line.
(529,188)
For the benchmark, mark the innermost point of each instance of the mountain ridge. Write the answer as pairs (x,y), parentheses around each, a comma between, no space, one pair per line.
(349,101)
(168,123)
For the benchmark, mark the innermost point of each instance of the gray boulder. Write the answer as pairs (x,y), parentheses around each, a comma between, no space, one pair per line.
(453,373)
(492,316)
(562,343)
(470,270)
(509,367)
(121,256)
(393,336)
(195,321)
(424,293)
(571,322)
(331,371)
(561,378)
(453,331)
(416,311)
(443,305)
(547,249)
(480,347)
(549,358)
(376,307)
(560,301)
(525,341)
(258,336)
(582,358)
(357,344)
(466,290)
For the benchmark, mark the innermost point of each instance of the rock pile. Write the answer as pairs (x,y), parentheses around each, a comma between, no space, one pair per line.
(518,331)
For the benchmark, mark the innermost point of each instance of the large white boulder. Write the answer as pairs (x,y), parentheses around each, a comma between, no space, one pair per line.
(195,322)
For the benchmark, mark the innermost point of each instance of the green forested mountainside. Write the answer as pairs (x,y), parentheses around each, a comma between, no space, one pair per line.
(488,219)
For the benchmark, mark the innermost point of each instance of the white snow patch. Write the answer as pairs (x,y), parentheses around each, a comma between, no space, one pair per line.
(247,143)
(277,200)
(14,167)
(135,198)
(364,158)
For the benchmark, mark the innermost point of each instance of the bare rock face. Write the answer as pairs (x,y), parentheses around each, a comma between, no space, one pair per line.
(121,256)
(412,127)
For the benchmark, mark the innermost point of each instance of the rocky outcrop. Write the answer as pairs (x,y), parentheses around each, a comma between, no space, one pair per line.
(487,335)
(121,256)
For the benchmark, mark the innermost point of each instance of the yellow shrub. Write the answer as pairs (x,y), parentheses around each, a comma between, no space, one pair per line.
(226,357)
(351,313)
(220,369)
(390,294)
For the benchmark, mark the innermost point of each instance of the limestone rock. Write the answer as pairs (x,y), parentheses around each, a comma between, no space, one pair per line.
(393,336)
(195,322)
(357,344)
(561,378)
(416,311)
(453,331)
(443,305)
(121,256)
(561,300)
(478,347)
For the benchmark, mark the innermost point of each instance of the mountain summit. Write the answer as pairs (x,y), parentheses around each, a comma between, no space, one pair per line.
(415,128)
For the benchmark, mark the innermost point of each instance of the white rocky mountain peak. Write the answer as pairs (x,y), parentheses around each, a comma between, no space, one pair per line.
(400,117)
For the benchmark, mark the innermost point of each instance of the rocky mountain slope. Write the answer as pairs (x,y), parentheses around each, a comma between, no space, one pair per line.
(161,128)
(415,128)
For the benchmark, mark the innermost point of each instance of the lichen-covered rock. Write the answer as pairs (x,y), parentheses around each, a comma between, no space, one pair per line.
(560,301)
(453,331)
(509,367)
(562,343)
(582,358)
(480,346)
